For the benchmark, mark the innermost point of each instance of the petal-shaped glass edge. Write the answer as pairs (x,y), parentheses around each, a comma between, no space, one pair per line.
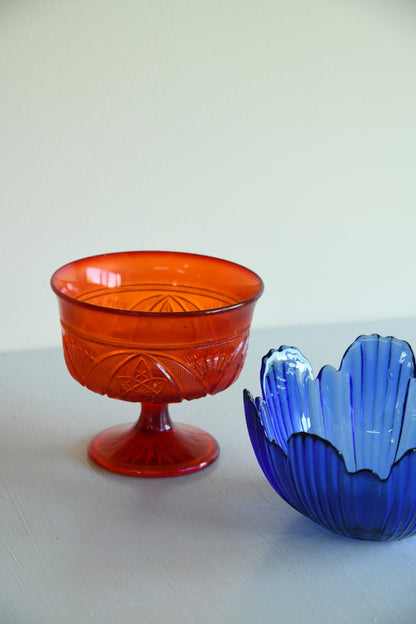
(271,457)
(312,478)
(374,387)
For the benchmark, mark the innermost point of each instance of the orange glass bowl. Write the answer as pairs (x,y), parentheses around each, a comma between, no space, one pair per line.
(156,328)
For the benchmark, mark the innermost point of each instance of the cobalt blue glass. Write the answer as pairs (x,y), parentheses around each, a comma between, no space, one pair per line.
(340,448)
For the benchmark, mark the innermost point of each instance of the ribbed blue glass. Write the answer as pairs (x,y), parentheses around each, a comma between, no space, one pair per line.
(340,448)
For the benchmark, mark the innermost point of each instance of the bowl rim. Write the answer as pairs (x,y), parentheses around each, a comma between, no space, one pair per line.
(139,313)
(273,353)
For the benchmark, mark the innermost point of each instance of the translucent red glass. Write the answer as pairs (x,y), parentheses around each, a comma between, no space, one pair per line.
(156,328)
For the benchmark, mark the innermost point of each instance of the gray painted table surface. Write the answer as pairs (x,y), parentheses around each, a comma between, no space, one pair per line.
(80,545)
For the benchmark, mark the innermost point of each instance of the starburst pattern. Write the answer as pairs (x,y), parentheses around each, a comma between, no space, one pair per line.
(78,357)
(147,383)
(213,363)
(166,303)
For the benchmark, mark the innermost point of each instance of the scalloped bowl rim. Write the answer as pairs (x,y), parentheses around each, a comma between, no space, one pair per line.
(269,355)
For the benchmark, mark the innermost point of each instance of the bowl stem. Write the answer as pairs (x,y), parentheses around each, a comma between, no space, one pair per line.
(154,446)
(154,417)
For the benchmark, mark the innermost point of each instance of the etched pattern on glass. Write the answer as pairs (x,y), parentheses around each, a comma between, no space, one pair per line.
(148,376)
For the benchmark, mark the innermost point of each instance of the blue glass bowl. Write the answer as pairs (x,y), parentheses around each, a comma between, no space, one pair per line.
(340,448)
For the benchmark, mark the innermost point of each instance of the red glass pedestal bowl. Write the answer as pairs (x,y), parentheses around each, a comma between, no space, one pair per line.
(156,328)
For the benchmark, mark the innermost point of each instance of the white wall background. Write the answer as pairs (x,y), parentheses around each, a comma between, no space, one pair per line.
(279,134)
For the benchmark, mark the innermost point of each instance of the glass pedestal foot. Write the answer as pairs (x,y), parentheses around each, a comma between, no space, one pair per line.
(154,447)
